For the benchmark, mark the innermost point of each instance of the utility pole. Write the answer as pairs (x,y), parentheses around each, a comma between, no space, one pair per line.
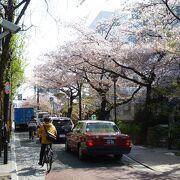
(115,113)
(38,98)
(114,78)
(80,102)
(5,128)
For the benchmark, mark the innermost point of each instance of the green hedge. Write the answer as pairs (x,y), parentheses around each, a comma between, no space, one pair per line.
(130,128)
(157,136)
(176,136)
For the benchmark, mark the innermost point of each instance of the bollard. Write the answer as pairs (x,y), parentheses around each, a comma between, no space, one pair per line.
(1,140)
(0,147)
(1,143)
(6,152)
(5,144)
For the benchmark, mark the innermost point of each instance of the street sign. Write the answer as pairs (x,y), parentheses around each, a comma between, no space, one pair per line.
(7,88)
(93,117)
(20,97)
(51,98)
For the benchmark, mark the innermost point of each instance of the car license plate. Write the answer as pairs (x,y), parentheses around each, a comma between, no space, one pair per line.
(62,135)
(109,137)
(109,141)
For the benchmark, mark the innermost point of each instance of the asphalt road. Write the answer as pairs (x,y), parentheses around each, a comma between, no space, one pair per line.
(66,166)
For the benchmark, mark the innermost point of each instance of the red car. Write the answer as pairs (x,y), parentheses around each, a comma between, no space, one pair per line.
(96,137)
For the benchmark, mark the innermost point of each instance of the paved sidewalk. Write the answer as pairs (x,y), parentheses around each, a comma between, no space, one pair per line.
(5,169)
(161,160)
(8,171)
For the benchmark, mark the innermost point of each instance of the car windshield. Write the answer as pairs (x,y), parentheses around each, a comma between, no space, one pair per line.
(101,127)
(42,114)
(62,122)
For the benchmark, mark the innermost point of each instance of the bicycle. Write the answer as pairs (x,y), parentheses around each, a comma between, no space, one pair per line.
(47,158)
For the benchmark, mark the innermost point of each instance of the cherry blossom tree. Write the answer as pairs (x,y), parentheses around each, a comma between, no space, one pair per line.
(76,56)
(51,76)
(140,51)
(152,53)
(148,58)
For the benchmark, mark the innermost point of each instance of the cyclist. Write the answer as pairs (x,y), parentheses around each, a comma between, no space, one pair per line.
(42,134)
(32,126)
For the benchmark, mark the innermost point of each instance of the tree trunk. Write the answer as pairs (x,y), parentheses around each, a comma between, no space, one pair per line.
(145,121)
(70,107)
(107,114)
(102,115)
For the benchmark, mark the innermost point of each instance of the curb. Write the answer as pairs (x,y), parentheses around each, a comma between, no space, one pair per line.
(13,159)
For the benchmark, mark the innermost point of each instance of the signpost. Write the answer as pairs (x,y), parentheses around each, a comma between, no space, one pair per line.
(20,97)
(7,88)
(93,117)
(51,99)
(5,129)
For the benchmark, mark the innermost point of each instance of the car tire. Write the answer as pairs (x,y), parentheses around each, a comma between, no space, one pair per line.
(80,154)
(67,149)
(118,157)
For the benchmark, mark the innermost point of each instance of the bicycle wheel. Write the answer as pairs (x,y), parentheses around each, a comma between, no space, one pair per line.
(49,160)
(44,160)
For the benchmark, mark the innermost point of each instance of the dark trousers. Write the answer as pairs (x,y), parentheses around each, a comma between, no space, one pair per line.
(42,151)
(30,133)
(31,129)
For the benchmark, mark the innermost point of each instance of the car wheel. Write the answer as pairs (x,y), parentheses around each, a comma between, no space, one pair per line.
(67,149)
(80,154)
(118,157)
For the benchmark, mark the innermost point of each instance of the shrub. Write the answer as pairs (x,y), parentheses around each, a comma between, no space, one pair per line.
(130,128)
(157,136)
(176,136)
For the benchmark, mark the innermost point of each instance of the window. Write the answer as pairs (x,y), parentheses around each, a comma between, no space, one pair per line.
(62,122)
(101,128)
(178,11)
(78,127)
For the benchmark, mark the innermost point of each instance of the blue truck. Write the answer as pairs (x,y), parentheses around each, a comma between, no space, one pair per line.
(22,116)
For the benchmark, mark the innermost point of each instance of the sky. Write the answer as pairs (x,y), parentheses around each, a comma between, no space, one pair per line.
(48,31)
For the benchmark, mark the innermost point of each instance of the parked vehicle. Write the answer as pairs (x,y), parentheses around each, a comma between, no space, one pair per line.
(22,116)
(40,115)
(63,126)
(96,137)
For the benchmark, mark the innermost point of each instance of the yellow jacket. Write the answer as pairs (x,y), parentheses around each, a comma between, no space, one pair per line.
(42,132)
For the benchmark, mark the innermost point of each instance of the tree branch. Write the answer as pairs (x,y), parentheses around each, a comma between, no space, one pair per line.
(170,10)
(23,10)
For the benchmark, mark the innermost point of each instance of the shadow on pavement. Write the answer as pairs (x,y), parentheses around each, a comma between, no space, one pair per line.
(65,160)
(31,171)
(170,172)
